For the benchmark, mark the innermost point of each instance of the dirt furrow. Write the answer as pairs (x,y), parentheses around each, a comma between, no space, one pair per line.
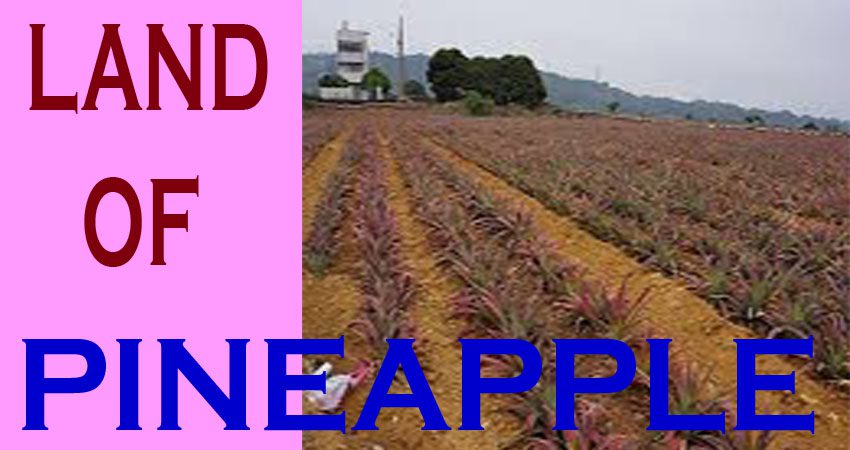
(336,294)
(699,334)
(330,303)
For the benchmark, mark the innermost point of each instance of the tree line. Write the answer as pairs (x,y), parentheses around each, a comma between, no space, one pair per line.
(452,76)
(510,79)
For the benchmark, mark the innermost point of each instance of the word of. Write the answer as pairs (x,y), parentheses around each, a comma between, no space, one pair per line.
(161,220)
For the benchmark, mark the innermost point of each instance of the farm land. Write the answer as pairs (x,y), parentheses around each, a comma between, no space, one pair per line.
(438,227)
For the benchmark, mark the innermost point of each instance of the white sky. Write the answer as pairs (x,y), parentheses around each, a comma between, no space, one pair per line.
(773,54)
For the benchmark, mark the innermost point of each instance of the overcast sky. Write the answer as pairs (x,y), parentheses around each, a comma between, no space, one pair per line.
(773,54)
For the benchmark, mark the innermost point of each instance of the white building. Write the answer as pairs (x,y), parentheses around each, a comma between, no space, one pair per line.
(352,63)
(352,54)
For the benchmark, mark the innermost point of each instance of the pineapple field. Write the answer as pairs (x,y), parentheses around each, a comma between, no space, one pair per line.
(438,227)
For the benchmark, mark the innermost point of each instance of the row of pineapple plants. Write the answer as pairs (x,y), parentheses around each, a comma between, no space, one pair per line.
(779,280)
(320,248)
(513,288)
(386,284)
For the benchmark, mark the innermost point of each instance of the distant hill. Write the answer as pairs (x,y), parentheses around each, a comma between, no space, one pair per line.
(588,95)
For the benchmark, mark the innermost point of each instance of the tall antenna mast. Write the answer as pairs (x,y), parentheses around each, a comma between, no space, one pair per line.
(402,73)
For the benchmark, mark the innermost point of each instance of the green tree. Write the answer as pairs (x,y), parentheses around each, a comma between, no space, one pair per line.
(613,107)
(447,74)
(509,79)
(484,75)
(376,81)
(415,90)
(754,120)
(520,81)
(810,126)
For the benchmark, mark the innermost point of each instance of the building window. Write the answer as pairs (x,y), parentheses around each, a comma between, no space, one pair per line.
(348,67)
(354,47)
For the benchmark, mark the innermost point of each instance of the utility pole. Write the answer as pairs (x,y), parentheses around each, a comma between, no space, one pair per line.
(402,73)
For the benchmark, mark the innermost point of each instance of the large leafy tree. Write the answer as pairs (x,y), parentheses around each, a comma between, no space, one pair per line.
(509,79)
(447,73)
(484,76)
(520,82)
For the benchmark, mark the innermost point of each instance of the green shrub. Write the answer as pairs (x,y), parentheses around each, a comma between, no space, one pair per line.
(332,80)
(477,104)
(308,101)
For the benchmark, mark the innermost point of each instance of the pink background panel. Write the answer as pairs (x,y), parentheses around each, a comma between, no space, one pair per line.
(235,274)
